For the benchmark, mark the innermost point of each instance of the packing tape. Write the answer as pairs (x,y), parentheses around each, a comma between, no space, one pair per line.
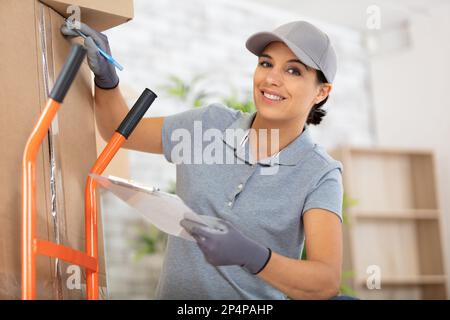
(55,183)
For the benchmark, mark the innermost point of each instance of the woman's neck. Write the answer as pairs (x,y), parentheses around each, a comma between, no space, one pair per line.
(288,131)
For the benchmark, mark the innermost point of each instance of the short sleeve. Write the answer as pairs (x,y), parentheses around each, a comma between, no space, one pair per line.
(180,127)
(328,193)
(177,126)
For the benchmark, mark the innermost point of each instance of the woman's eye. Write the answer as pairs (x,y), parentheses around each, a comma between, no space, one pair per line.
(291,70)
(264,64)
(294,71)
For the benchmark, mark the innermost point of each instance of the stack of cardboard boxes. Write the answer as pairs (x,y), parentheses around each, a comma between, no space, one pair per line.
(32,52)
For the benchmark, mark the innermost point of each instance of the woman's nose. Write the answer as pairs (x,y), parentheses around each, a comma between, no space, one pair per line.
(274,77)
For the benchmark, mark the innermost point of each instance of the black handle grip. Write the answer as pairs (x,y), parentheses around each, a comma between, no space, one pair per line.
(68,72)
(136,113)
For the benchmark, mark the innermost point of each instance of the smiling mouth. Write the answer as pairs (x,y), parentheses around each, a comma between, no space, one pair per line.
(272,97)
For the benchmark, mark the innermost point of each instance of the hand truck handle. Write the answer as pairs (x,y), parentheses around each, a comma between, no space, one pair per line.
(136,113)
(68,73)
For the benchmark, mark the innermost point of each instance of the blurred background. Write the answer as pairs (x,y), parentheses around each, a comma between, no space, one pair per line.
(388,122)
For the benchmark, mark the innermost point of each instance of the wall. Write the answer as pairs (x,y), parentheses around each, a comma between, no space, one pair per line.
(410,91)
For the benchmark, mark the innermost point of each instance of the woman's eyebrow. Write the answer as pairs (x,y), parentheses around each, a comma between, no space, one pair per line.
(265,55)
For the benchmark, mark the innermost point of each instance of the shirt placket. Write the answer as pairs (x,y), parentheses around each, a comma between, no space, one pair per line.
(239,185)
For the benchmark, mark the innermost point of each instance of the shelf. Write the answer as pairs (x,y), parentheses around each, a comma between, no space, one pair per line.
(394,222)
(407,214)
(410,280)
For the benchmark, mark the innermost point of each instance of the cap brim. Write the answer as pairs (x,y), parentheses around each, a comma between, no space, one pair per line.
(257,42)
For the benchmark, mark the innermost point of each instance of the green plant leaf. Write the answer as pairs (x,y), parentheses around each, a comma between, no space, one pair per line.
(148,241)
(176,88)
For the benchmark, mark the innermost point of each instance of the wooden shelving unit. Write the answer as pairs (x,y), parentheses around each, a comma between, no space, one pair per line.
(394,223)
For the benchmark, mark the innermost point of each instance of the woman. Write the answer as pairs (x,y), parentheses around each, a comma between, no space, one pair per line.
(283,194)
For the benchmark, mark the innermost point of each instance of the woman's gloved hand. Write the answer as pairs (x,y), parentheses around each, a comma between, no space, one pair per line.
(105,73)
(228,246)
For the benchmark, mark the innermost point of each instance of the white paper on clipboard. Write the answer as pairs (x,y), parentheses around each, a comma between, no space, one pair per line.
(162,209)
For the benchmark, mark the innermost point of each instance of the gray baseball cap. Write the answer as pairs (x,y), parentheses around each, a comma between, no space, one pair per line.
(307,42)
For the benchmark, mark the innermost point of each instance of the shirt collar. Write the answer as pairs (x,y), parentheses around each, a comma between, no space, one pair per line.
(289,155)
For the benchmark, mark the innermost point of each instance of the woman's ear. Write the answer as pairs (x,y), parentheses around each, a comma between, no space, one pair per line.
(324,91)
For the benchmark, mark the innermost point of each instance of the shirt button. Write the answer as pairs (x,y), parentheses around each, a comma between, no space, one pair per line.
(230,203)
(240,186)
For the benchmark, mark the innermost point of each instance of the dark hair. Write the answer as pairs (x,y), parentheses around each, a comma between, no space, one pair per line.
(317,113)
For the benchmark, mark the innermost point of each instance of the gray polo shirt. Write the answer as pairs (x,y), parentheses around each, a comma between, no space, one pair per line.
(266,207)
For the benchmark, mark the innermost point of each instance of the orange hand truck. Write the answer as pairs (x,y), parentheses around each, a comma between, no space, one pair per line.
(31,246)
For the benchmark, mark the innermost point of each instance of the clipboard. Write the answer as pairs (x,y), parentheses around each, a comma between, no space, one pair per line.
(162,209)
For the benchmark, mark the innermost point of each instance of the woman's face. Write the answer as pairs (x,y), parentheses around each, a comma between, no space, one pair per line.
(284,89)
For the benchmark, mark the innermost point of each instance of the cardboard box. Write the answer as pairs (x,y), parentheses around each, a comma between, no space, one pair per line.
(33,52)
(99,14)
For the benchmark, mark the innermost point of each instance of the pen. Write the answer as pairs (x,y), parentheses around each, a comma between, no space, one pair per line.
(109,58)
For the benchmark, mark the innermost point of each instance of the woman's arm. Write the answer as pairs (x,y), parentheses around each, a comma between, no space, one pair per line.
(110,106)
(111,109)
(316,278)
(319,276)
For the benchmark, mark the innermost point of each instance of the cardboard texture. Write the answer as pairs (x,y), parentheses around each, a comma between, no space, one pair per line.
(32,54)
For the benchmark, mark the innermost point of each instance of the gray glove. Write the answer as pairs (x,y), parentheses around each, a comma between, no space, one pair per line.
(224,245)
(105,73)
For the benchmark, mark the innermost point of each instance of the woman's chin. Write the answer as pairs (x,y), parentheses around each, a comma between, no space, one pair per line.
(269,112)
